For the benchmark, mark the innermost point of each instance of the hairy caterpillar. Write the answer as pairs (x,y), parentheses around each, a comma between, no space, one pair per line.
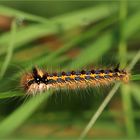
(39,80)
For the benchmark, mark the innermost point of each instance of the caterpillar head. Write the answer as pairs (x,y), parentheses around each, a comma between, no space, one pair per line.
(35,82)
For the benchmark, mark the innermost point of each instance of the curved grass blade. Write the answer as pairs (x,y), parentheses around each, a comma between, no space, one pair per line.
(94,51)
(135,89)
(10,94)
(9,50)
(16,13)
(12,122)
(67,21)
(129,28)
(135,77)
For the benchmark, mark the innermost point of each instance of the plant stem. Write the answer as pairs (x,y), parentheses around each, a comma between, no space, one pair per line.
(9,49)
(125,91)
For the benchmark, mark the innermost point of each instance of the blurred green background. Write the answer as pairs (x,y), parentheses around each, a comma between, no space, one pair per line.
(68,35)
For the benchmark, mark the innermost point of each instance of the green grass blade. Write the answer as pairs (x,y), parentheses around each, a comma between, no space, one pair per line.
(4,95)
(99,111)
(128,111)
(135,77)
(9,49)
(94,51)
(28,34)
(16,13)
(71,44)
(25,35)
(12,122)
(125,91)
(84,16)
(135,89)
(129,28)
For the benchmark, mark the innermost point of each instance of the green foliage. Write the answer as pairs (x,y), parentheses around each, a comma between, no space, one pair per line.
(91,34)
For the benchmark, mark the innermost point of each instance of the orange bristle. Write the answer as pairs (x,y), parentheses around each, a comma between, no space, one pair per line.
(40,81)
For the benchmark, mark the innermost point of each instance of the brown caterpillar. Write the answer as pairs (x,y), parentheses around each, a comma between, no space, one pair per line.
(39,80)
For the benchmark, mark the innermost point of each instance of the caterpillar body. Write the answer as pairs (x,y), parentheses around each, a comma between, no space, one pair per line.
(39,80)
